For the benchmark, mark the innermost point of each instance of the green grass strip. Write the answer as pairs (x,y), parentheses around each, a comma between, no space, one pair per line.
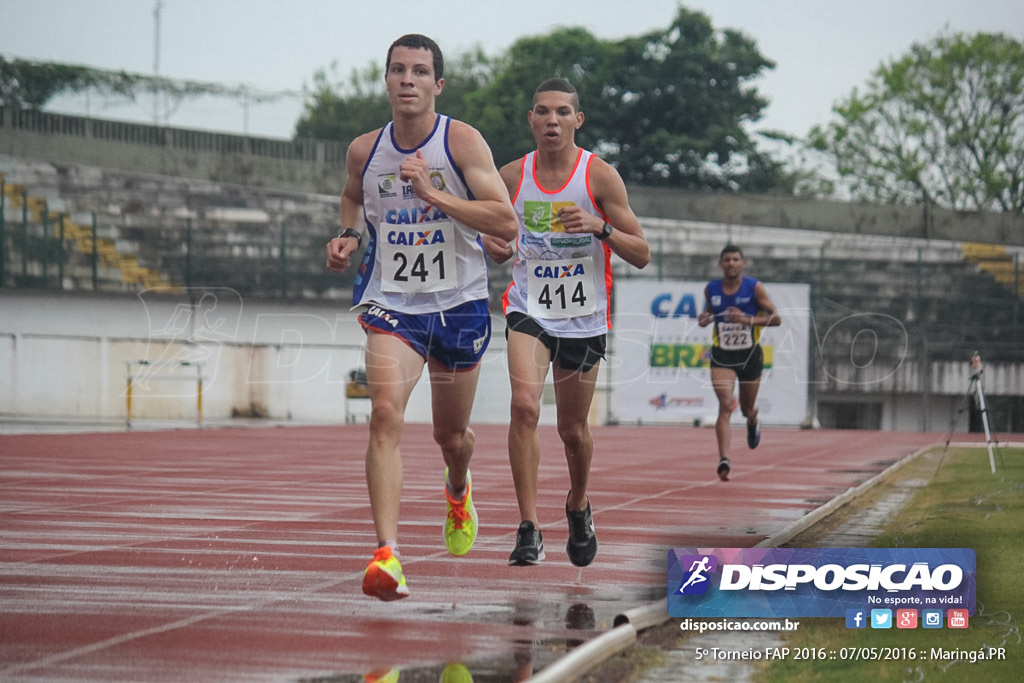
(963,506)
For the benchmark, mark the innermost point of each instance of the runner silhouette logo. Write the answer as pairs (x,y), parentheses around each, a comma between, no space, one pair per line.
(696,580)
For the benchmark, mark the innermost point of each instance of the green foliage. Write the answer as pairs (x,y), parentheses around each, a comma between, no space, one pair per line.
(944,124)
(30,85)
(678,100)
(499,108)
(330,115)
(666,108)
(465,74)
(669,107)
(344,109)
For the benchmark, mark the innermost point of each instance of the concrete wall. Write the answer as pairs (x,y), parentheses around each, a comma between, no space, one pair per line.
(312,166)
(64,355)
(781,211)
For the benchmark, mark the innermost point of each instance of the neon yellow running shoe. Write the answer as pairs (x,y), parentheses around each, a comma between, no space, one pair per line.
(456,673)
(461,522)
(383,578)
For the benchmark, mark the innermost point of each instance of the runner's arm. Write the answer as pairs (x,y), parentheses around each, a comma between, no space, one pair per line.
(706,316)
(500,249)
(767,315)
(490,211)
(627,237)
(340,249)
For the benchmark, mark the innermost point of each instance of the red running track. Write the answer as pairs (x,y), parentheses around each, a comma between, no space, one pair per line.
(237,554)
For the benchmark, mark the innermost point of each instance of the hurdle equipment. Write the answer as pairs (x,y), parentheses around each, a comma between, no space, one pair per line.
(140,366)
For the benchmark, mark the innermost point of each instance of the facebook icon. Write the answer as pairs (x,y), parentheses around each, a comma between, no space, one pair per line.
(856,618)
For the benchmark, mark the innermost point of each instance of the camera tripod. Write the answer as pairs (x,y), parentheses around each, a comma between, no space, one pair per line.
(975,393)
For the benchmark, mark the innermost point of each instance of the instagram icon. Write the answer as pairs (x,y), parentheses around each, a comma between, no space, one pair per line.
(931,618)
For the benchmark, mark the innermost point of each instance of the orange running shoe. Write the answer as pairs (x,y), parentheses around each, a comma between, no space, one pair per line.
(383,578)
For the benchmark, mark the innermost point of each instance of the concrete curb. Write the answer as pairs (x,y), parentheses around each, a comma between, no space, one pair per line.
(587,656)
(814,516)
(627,625)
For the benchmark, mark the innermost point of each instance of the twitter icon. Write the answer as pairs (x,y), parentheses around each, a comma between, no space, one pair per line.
(881,618)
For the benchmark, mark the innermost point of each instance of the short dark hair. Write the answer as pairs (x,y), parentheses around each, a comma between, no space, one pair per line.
(417,41)
(558,84)
(730,249)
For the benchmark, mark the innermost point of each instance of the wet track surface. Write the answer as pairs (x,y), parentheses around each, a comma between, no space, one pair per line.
(237,554)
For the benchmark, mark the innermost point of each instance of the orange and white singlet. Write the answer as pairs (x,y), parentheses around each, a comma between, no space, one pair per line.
(562,280)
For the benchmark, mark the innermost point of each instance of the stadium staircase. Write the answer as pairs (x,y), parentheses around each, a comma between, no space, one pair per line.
(158,232)
(998,262)
(67,241)
(168,232)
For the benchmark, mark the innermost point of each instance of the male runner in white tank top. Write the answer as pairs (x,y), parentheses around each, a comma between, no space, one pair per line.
(421,191)
(573,215)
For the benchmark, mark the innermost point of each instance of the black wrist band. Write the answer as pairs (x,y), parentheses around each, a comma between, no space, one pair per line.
(349,232)
(605,232)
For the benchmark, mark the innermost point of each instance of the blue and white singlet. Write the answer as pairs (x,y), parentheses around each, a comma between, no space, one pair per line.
(417,259)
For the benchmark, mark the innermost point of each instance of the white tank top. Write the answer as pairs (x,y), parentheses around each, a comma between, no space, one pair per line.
(417,259)
(562,280)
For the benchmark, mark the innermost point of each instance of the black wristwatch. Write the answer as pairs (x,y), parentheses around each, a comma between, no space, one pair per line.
(349,232)
(607,230)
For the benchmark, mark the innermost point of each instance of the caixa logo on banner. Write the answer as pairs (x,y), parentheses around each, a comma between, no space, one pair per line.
(816,582)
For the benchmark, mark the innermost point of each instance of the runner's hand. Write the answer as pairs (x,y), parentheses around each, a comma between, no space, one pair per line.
(339,253)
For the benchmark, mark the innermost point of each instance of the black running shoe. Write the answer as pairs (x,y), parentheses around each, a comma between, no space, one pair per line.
(529,546)
(753,434)
(582,543)
(579,617)
(723,469)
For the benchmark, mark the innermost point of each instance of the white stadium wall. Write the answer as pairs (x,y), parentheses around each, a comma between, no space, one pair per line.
(68,356)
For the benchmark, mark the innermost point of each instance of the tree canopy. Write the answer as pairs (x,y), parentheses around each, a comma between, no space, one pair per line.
(666,108)
(942,125)
(344,109)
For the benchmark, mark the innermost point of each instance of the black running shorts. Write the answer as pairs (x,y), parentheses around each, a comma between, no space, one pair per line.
(746,363)
(571,353)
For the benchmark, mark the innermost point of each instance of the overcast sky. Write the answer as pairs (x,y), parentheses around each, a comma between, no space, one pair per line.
(822,48)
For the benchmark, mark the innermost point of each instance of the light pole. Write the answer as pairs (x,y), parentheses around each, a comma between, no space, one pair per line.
(158,5)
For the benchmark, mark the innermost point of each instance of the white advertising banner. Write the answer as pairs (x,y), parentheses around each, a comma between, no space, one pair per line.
(658,362)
